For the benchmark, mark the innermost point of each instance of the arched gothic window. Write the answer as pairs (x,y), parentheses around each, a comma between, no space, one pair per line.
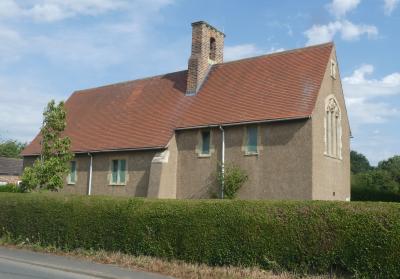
(213,48)
(333,128)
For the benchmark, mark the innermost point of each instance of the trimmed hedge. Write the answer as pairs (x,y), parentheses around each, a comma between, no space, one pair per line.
(365,194)
(10,188)
(362,239)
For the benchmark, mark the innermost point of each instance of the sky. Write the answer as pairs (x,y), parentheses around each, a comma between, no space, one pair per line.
(50,48)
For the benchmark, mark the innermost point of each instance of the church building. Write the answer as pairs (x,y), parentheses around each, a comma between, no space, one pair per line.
(280,117)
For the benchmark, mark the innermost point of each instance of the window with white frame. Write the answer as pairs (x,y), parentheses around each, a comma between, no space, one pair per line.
(205,143)
(118,172)
(252,140)
(72,173)
(333,128)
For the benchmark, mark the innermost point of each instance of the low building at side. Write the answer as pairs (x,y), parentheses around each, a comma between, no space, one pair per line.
(10,171)
(280,117)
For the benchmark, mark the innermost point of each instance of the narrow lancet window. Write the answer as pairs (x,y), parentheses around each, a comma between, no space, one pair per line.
(333,129)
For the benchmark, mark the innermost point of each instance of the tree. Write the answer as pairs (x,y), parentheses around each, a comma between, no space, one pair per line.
(392,165)
(49,170)
(359,163)
(376,180)
(11,148)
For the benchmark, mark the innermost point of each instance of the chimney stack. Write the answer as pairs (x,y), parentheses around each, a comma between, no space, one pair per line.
(207,49)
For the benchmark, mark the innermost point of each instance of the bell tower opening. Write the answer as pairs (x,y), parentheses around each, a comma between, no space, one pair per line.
(207,50)
(213,48)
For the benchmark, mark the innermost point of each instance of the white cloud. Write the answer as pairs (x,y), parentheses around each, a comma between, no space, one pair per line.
(390,6)
(86,50)
(56,10)
(9,8)
(347,30)
(53,10)
(11,44)
(359,86)
(350,31)
(340,8)
(246,50)
(366,111)
(21,106)
(83,47)
(241,51)
(367,99)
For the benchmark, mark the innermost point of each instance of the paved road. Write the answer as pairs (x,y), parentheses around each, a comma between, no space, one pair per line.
(21,264)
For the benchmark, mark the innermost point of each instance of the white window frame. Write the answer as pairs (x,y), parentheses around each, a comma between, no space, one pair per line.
(201,153)
(199,145)
(333,128)
(247,138)
(118,182)
(69,181)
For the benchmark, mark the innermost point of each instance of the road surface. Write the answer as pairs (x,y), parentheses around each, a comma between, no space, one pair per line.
(22,264)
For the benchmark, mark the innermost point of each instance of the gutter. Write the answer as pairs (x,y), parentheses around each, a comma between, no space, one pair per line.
(105,150)
(90,174)
(183,128)
(222,161)
(243,123)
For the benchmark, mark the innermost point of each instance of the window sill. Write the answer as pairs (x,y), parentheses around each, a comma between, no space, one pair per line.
(204,155)
(71,184)
(251,154)
(333,157)
(117,184)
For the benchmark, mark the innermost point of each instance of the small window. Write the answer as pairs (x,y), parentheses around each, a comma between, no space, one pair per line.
(213,49)
(252,140)
(72,173)
(205,142)
(333,69)
(118,169)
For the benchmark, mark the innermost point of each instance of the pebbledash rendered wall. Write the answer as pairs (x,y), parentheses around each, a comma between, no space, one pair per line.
(137,177)
(282,169)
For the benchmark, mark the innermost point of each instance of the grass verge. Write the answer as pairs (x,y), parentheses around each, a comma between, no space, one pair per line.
(177,269)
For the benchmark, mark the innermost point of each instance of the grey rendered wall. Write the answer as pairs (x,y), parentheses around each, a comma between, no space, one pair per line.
(281,170)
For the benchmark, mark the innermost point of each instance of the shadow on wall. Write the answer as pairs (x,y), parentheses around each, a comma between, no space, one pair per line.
(276,136)
(209,190)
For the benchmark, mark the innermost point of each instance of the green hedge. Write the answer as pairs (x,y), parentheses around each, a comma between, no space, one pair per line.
(10,188)
(362,239)
(365,194)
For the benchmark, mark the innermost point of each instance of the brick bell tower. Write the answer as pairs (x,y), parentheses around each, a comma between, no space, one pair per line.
(207,49)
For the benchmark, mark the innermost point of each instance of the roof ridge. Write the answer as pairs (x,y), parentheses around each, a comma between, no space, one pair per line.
(278,53)
(127,82)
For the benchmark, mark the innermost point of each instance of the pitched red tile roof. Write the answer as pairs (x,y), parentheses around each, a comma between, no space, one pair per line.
(144,113)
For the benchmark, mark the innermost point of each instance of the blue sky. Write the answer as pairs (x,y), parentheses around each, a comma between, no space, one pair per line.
(49,48)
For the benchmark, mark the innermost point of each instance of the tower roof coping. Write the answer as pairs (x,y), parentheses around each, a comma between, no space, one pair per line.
(201,22)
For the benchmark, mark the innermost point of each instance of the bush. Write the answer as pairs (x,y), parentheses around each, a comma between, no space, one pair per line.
(234,178)
(376,180)
(365,194)
(362,239)
(10,188)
